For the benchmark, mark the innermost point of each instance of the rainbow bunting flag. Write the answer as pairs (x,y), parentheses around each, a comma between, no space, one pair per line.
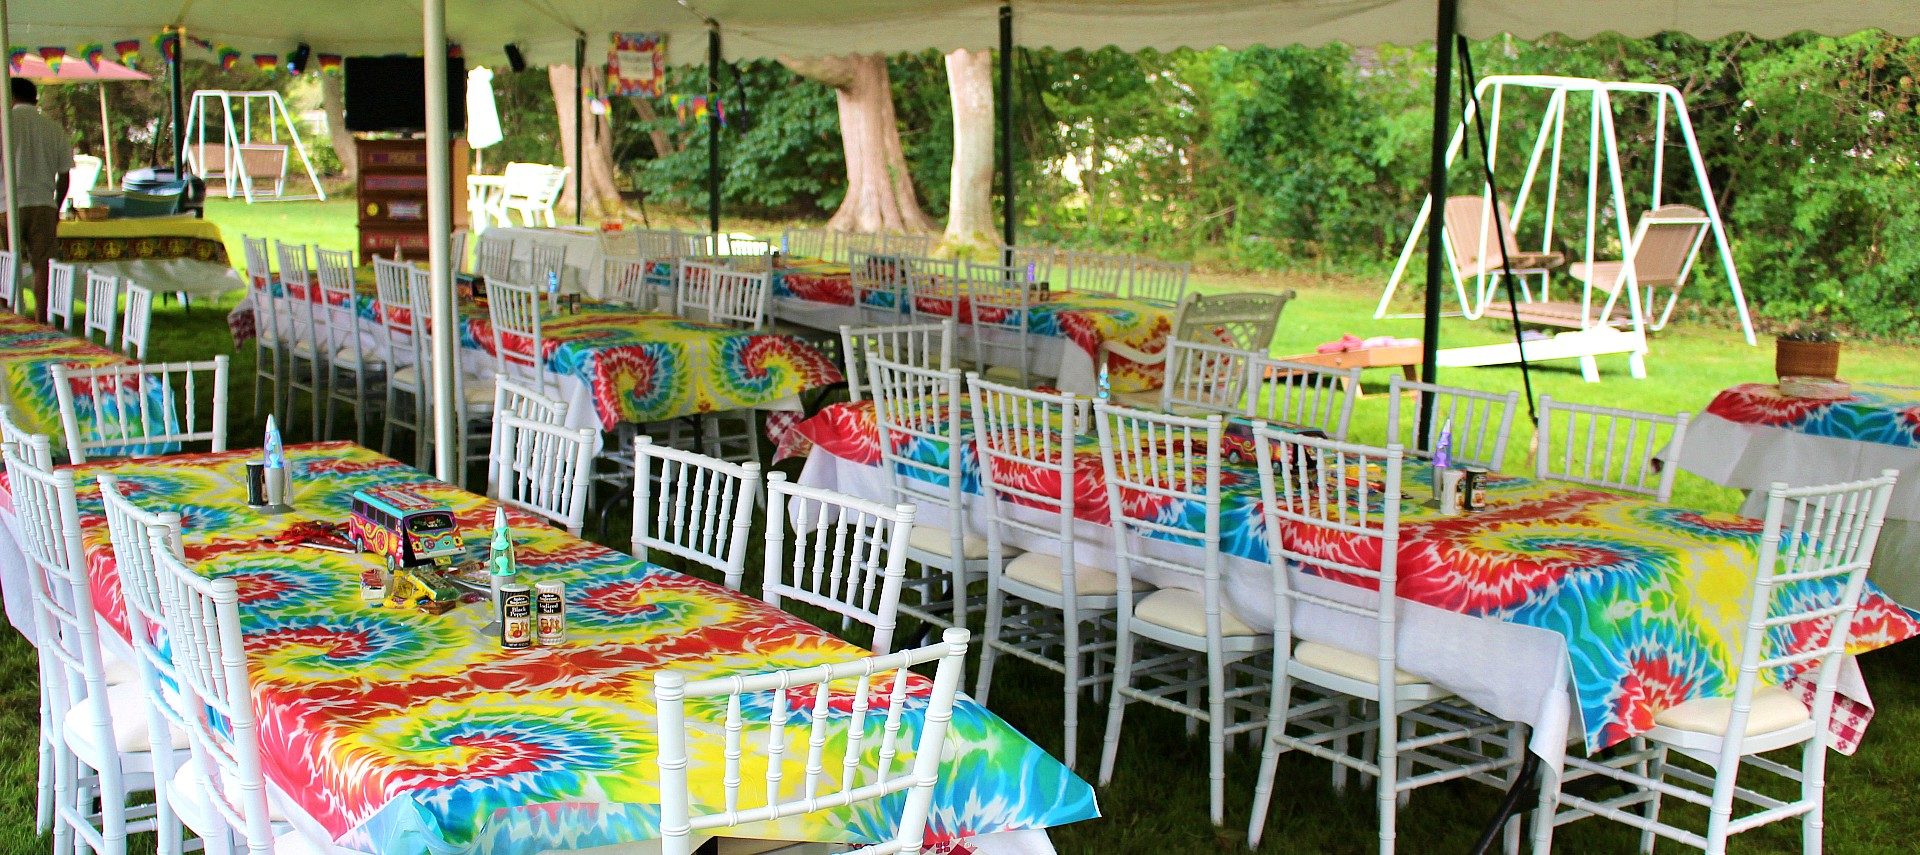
(266,61)
(329,63)
(129,51)
(93,53)
(14,57)
(200,43)
(53,57)
(228,57)
(169,46)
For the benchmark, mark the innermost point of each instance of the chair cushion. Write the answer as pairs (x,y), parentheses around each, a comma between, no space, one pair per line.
(1043,571)
(1346,663)
(478,392)
(1186,611)
(187,795)
(120,672)
(1774,709)
(1148,399)
(127,705)
(934,539)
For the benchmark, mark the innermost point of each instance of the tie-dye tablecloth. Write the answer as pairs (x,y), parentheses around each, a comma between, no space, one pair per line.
(1875,412)
(1083,320)
(1646,595)
(28,352)
(402,732)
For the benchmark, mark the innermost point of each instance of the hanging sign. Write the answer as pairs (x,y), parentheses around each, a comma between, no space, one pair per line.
(637,65)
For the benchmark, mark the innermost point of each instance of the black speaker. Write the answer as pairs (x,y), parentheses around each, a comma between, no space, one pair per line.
(516,61)
(297,61)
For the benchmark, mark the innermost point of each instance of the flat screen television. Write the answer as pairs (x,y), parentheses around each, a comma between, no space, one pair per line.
(389,93)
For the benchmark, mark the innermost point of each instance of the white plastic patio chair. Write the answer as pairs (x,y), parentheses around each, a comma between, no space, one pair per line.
(1196,640)
(1816,544)
(532,190)
(1416,733)
(855,781)
(1045,606)
(1481,421)
(100,743)
(920,345)
(545,469)
(1295,394)
(693,506)
(133,531)
(137,321)
(916,407)
(103,308)
(1609,448)
(848,555)
(210,663)
(59,309)
(141,409)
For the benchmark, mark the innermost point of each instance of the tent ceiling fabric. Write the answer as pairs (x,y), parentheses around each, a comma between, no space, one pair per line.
(546,29)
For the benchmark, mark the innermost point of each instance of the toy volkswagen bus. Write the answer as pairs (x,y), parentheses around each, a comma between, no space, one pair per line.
(411,530)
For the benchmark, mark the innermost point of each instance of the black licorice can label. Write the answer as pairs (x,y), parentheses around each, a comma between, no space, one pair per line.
(516,616)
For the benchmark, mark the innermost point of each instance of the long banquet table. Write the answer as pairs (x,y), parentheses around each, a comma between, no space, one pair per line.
(400,732)
(177,254)
(1556,606)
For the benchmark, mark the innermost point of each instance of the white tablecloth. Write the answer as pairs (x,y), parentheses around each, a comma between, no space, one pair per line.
(1753,457)
(189,276)
(585,256)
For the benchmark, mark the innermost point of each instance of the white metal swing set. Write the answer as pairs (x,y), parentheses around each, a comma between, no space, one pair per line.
(247,167)
(1659,248)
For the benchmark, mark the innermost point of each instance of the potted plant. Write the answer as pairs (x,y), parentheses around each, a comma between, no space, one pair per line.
(1807,351)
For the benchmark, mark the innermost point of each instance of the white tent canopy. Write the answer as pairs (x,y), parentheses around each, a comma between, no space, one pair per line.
(546,29)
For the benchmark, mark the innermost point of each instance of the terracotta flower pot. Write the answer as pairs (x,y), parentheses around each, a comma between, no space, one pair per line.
(1806,358)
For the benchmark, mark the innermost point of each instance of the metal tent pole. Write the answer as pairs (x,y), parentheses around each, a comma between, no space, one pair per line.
(579,130)
(1444,30)
(179,96)
(6,159)
(444,336)
(713,132)
(1007,220)
(106,134)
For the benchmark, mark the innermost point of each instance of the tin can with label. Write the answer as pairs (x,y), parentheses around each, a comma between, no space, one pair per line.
(550,609)
(516,616)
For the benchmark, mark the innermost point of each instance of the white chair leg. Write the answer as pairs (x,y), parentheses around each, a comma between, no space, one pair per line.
(1217,717)
(1545,808)
(996,602)
(1654,769)
(1388,793)
(1813,789)
(1070,658)
(1117,704)
(1279,706)
(1193,699)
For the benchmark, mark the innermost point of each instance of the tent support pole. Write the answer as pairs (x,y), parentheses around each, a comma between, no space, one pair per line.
(579,130)
(444,336)
(1005,95)
(1444,30)
(713,132)
(178,91)
(106,135)
(6,162)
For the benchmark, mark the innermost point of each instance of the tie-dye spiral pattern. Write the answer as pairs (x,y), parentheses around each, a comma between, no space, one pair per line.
(1647,595)
(1875,412)
(32,350)
(403,732)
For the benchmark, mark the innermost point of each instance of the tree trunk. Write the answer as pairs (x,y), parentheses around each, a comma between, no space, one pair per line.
(602,196)
(880,195)
(970,200)
(663,144)
(333,100)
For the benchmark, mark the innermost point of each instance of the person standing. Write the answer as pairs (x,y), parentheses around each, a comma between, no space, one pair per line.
(42,154)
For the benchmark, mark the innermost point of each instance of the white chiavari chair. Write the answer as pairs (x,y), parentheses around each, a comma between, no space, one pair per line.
(495,259)
(916,408)
(547,269)
(1159,281)
(355,368)
(100,747)
(1093,272)
(1420,733)
(693,284)
(858,243)
(32,447)
(133,531)
(922,345)
(693,506)
(1199,379)
(457,250)
(857,781)
(59,308)
(401,347)
(1816,545)
(103,308)
(1197,641)
(1609,448)
(519,348)
(545,469)
(141,409)
(1035,263)
(1315,397)
(881,286)
(936,289)
(514,398)
(11,290)
(998,298)
(740,298)
(1481,421)
(269,331)
(221,793)
(137,321)
(1046,600)
(627,283)
(848,555)
(308,362)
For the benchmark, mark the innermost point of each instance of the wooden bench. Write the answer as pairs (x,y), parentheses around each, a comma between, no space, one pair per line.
(1404,357)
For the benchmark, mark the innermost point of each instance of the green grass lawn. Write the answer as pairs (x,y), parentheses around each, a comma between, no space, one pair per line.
(1157,802)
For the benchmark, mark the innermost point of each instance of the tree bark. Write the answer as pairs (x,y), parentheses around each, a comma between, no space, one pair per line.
(970,199)
(333,101)
(663,144)
(880,196)
(602,194)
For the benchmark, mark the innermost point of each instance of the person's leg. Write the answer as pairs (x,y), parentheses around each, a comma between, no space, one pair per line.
(38,231)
